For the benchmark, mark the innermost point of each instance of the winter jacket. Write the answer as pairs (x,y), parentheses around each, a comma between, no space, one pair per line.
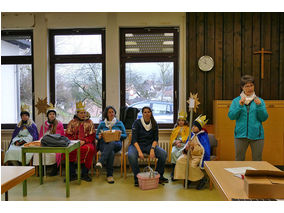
(248,119)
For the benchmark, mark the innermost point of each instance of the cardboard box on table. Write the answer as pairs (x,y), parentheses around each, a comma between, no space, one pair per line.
(264,184)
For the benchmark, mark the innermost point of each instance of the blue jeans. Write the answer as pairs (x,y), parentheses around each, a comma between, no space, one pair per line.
(107,157)
(133,158)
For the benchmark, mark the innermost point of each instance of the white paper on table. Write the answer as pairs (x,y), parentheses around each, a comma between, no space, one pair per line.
(239,170)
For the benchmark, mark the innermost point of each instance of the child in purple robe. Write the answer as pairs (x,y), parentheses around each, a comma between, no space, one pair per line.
(25,131)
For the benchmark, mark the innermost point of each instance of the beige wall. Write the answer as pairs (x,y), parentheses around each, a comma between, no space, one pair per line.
(42,22)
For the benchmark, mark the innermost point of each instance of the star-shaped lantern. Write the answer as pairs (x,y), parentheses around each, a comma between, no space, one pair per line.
(41,105)
(193,101)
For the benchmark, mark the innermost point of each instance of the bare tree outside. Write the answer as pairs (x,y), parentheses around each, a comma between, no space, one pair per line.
(78,81)
(25,73)
(166,78)
(151,84)
(16,82)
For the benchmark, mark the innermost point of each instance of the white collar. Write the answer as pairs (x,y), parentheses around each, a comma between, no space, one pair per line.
(248,98)
(109,124)
(29,123)
(193,134)
(147,127)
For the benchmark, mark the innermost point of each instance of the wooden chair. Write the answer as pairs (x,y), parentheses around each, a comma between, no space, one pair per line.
(120,153)
(213,157)
(146,156)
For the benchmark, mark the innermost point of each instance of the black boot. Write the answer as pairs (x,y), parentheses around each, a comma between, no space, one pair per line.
(84,174)
(72,172)
(136,182)
(173,172)
(54,170)
(188,183)
(163,180)
(201,183)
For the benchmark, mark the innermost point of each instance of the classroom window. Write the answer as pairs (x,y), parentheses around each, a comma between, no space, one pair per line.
(78,44)
(149,61)
(77,71)
(16,76)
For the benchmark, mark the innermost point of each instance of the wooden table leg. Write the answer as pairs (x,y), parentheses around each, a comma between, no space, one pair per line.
(6,196)
(67,176)
(40,168)
(79,165)
(25,181)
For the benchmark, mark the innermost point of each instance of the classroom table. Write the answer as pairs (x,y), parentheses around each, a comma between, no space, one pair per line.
(13,175)
(75,144)
(226,183)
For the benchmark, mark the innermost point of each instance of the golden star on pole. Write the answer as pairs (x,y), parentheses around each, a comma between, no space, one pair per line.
(196,102)
(41,105)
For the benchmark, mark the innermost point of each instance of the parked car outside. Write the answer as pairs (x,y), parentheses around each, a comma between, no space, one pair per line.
(162,111)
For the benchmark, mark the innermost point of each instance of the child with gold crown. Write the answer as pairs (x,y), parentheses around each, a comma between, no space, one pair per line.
(199,151)
(82,129)
(178,139)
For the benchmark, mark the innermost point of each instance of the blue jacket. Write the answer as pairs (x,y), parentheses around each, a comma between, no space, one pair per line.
(143,137)
(117,126)
(248,124)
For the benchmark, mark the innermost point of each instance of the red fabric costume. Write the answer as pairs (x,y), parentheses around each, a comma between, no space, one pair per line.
(84,131)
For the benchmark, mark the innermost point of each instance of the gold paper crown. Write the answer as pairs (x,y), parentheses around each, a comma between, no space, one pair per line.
(182,115)
(25,108)
(201,119)
(51,107)
(80,106)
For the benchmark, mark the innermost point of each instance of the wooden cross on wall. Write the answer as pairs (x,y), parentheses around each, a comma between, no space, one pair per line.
(262,52)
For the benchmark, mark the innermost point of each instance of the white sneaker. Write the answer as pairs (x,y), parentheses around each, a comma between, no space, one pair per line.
(110,179)
(99,165)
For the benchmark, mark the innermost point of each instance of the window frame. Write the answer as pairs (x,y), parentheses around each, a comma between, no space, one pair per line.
(15,60)
(151,57)
(78,58)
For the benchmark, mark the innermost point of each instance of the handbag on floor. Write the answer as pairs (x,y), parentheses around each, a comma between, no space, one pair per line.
(148,179)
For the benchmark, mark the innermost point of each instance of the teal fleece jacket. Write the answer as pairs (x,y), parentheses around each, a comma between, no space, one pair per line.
(117,126)
(248,124)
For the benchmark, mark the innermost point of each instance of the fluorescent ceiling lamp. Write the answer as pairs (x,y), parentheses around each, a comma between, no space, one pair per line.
(129,35)
(169,34)
(167,50)
(132,49)
(128,43)
(168,43)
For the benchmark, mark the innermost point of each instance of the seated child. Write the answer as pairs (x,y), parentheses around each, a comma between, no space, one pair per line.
(177,140)
(50,126)
(25,131)
(199,151)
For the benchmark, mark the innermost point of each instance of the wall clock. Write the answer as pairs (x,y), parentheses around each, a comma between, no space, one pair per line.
(205,63)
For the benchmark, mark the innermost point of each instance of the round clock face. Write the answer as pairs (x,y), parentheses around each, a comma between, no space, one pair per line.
(205,63)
